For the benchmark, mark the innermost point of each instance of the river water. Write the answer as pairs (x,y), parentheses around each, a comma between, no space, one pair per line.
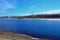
(36,28)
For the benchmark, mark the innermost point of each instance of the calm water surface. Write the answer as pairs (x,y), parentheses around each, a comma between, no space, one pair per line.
(35,28)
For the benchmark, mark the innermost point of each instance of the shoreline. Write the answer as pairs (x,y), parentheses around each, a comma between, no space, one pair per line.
(41,18)
(10,35)
(33,18)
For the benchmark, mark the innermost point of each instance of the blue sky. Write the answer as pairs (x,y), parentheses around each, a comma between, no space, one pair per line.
(22,7)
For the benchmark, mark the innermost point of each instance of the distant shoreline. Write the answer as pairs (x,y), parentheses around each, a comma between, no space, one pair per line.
(34,18)
(41,18)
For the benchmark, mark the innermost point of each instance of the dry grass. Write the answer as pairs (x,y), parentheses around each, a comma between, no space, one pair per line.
(19,36)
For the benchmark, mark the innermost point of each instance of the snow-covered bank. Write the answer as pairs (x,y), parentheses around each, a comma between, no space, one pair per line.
(41,18)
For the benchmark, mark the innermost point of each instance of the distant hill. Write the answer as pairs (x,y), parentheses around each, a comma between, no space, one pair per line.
(35,16)
(46,14)
(39,16)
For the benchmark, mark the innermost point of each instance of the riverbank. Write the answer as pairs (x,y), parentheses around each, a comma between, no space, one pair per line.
(14,36)
(41,18)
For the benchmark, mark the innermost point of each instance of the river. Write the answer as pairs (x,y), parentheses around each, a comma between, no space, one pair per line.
(36,28)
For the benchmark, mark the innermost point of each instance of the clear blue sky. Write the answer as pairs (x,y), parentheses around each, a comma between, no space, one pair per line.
(21,7)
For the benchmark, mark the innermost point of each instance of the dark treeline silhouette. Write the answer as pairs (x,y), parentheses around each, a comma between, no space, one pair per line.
(43,16)
(48,16)
(39,16)
(35,16)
